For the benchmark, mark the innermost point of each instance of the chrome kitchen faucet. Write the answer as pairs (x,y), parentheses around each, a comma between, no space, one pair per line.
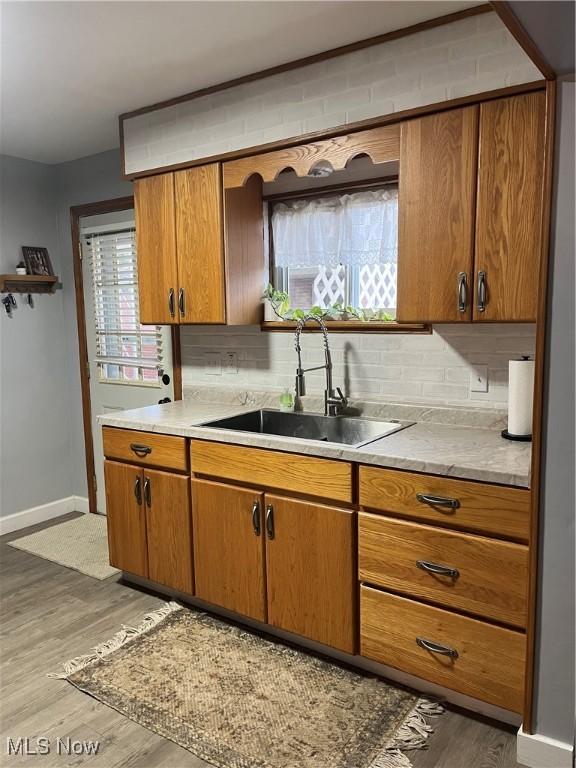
(333,403)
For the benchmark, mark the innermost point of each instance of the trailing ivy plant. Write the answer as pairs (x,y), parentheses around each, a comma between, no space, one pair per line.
(280,302)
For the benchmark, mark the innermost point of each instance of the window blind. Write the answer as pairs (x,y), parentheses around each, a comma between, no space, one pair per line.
(120,338)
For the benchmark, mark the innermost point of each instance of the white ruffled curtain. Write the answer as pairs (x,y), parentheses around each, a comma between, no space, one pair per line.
(353,230)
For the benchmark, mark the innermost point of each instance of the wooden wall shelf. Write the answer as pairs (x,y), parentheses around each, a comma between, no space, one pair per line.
(28,283)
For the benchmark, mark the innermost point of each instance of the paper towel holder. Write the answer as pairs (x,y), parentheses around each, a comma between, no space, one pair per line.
(517,438)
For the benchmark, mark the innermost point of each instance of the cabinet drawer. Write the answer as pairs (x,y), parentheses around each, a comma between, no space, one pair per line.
(146,449)
(490,576)
(324,478)
(489,665)
(492,509)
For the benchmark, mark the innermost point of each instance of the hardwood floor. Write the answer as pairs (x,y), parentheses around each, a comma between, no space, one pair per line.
(50,614)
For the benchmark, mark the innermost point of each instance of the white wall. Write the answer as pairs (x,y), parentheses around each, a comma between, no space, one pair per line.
(468,56)
(402,367)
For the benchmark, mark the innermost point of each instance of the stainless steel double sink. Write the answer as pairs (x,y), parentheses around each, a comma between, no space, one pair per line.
(346,430)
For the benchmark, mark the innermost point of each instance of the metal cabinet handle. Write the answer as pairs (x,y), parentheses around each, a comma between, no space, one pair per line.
(443,650)
(182,301)
(437,569)
(256,517)
(140,450)
(147,492)
(171,305)
(437,501)
(138,491)
(462,291)
(481,291)
(270,521)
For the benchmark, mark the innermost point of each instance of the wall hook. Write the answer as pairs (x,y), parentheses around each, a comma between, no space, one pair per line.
(9,304)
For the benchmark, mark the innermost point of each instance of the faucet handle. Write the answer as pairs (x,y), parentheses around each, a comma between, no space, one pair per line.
(342,396)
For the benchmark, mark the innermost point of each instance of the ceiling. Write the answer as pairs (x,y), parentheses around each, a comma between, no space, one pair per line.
(68,69)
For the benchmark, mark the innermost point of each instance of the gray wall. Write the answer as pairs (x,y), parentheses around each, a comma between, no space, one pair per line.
(554,695)
(42,448)
(35,394)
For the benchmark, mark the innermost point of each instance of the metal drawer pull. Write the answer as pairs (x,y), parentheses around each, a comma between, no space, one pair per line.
(181,302)
(437,501)
(270,521)
(443,650)
(438,570)
(147,492)
(140,450)
(481,291)
(256,517)
(462,291)
(138,491)
(171,305)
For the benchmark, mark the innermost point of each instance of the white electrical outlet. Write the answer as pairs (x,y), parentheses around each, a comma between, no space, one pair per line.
(230,362)
(212,363)
(479,379)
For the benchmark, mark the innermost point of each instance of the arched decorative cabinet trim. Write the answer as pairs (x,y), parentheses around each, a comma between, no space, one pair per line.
(381,144)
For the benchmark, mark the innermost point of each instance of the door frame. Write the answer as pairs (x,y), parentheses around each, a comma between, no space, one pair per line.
(76,213)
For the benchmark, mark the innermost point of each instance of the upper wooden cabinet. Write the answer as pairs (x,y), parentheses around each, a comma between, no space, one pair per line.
(436,216)
(470,212)
(156,244)
(200,251)
(509,213)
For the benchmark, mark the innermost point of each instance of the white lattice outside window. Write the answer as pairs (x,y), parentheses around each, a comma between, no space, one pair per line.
(338,250)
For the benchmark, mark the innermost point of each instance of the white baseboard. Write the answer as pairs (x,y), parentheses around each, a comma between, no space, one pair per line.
(27,517)
(538,751)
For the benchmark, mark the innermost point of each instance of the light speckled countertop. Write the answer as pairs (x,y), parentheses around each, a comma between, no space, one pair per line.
(472,453)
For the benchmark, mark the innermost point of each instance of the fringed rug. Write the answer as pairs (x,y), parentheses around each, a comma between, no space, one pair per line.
(239,700)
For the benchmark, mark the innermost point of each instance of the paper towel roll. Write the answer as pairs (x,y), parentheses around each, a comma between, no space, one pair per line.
(520,396)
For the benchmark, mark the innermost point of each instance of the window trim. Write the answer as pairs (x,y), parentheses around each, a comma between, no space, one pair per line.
(339,326)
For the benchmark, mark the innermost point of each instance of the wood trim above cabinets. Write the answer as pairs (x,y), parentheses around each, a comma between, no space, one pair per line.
(382,145)
(510,20)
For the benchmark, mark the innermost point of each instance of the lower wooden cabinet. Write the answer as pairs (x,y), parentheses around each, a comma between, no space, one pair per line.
(168,528)
(467,655)
(126,519)
(310,570)
(288,562)
(149,526)
(229,547)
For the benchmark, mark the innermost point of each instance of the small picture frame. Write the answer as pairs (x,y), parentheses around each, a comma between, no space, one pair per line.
(37,260)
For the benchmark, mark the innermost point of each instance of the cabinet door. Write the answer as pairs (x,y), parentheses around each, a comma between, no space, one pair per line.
(168,524)
(310,571)
(156,248)
(436,216)
(200,244)
(125,518)
(229,548)
(510,196)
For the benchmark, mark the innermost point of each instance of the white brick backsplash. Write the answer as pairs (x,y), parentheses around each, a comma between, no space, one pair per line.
(459,59)
(431,368)
(347,99)
(449,73)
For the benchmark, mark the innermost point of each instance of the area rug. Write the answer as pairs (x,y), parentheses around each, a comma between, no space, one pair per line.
(80,544)
(237,699)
